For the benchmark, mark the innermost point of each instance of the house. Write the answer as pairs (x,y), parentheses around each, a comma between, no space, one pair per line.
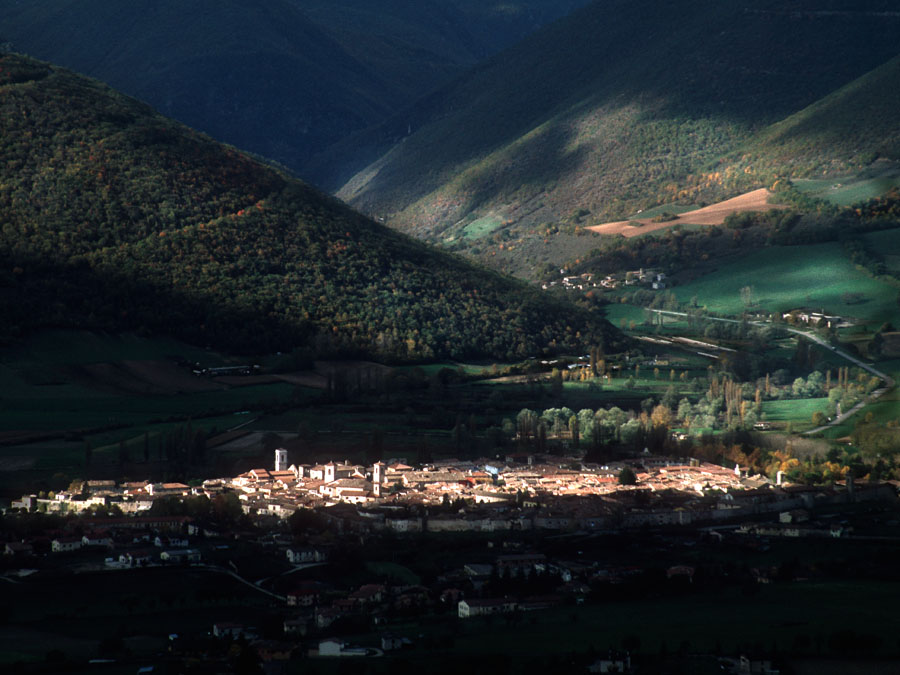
(391,642)
(65,544)
(137,558)
(260,475)
(330,647)
(298,626)
(227,629)
(95,486)
(470,608)
(185,555)
(100,539)
(303,598)
(316,472)
(168,489)
(353,490)
(325,616)
(514,565)
(18,548)
(285,478)
(298,556)
(26,503)
(171,542)
(614,662)
(793,516)
(368,594)
(334,647)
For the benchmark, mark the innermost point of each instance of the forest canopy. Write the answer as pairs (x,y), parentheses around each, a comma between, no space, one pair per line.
(115,218)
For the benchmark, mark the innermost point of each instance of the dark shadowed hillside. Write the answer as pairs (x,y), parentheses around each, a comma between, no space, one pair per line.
(622,105)
(113,217)
(281,78)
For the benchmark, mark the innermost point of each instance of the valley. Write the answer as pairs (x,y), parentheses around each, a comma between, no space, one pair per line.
(576,351)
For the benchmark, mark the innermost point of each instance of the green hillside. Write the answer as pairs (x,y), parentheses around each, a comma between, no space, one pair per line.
(850,128)
(622,105)
(115,218)
(280,78)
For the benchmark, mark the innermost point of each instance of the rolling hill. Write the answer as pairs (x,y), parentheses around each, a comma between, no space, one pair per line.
(280,78)
(620,106)
(115,218)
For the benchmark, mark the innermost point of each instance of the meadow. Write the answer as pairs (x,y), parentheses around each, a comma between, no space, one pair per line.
(848,190)
(790,277)
(797,412)
(886,244)
(482,227)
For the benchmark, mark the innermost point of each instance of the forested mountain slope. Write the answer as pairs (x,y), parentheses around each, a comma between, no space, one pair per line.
(280,78)
(621,105)
(115,218)
(854,126)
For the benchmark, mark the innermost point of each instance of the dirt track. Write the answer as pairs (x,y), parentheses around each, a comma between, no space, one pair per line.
(714,214)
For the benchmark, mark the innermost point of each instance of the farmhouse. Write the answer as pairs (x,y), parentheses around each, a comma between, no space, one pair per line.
(306,555)
(65,544)
(227,629)
(18,548)
(97,539)
(470,608)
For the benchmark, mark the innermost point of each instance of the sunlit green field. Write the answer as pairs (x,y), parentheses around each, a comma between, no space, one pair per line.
(482,227)
(847,191)
(798,412)
(789,277)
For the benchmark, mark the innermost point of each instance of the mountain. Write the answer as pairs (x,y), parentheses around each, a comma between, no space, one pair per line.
(281,78)
(852,127)
(114,218)
(621,105)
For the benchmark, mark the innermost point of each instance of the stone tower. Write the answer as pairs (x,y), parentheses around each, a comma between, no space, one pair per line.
(377,478)
(281,460)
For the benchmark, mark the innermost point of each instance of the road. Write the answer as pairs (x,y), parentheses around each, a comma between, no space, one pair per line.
(888,380)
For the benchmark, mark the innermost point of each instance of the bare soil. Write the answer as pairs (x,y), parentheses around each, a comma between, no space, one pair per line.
(713,214)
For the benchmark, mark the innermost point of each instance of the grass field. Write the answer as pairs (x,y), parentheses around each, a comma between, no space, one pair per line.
(618,313)
(798,412)
(886,244)
(482,227)
(851,189)
(788,277)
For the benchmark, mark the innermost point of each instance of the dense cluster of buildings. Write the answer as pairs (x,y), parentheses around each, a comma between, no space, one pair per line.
(582,282)
(518,492)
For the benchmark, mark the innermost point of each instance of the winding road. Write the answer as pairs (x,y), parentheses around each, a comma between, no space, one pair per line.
(887,379)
